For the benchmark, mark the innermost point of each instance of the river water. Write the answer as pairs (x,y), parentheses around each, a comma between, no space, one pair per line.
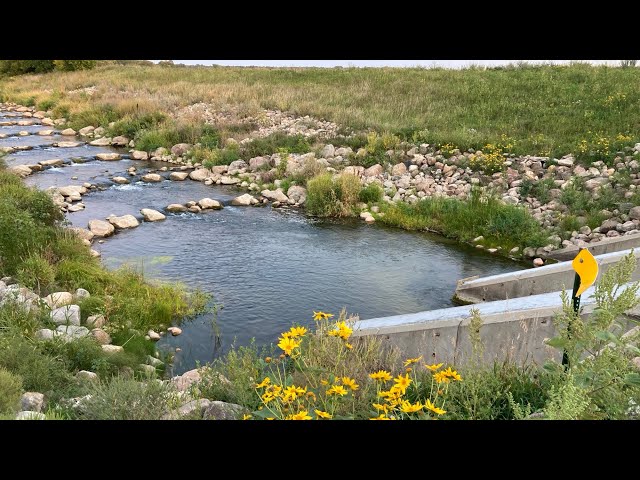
(266,268)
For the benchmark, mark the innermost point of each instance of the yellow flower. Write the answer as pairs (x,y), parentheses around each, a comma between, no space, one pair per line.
(402,382)
(382,416)
(342,330)
(301,415)
(301,391)
(246,417)
(337,390)
(297,332)
(409,361)
(407,407)
(267,360)
(328,315)
(408,369)
(324,382)
(322,414)
(311,395)
(378,406)
(275,389)
(434,367)
(270,418)
(348,345)
(286,335)
(452,374)
(350,382)
(441,377)
(267,397)
(381,375)
(430,406)
(265,383)
(321,315)
(393,395)
(288,345)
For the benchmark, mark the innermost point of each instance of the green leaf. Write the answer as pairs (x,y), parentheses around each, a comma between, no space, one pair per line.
(633,349)
(632,379)
(264,413)
(557,342)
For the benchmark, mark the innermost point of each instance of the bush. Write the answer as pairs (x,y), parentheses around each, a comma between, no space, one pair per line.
(20,234)
(329,197)
(130,125)
(71,65)
(371,193)
(127,399)
(170,134)
(270,145)
(10,391)
(37,203)
(20,67)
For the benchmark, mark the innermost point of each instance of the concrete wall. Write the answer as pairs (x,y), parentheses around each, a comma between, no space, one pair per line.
(535,281)
(513,330)
(606,245)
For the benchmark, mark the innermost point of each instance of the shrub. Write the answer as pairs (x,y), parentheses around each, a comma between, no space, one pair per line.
(19,233)
(270,145)
(71,65)
(36,273)
(329,197)
(10,391)
(371,193)
(130,125)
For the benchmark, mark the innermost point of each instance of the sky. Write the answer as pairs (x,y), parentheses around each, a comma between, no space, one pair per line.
(372,63)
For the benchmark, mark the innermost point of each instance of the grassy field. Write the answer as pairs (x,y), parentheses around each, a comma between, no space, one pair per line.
(545,109)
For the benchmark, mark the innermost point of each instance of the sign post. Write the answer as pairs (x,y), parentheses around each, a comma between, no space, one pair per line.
(586,268)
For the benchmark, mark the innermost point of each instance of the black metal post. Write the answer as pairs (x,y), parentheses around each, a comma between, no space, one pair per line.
(575,300)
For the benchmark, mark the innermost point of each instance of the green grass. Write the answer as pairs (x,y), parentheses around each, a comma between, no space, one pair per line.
(329,197)
(501,225)
(545,109)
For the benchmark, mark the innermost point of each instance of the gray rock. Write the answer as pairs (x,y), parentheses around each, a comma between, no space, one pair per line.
(275,195)
(30,416)
(191,410)
(45,334)
(626,226)
(120,141)
(32,402)
(96,321)
(151,215)
(634,213)
(566,162)
(223,411)
(297,193)
(180,149)
(69,314)
(101,228)
(399,169)
(20,170)
(608,225)
(102,337)
(69,132)
(343,152)
(120,180)
(538,262)
(139,155)
(151,178)
(257,163)
(67,144)
(72,331)
(154,362)
(200,175)
(155,336)
(54,162)
(87,375)
(81,294)
(225,180)
(328,151)
(112,349)
(374,170)
(86,130)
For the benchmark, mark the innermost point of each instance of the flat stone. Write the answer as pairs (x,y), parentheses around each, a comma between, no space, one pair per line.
(26,415)
(200,174)
(20,170)
(152,178)
(178,176)
(112,349)
(120,141)
(151,215)
(123,222)
(244,200)
(54,162)
(87,375)
(81,294)
(101,142)
(225,180)
(175,331)
(68,132)
(68,314)
(108,156)
(45,334)
(176,207)
(67,144)
(275,195)
(223,411)
(73,331)
(120,180)
(86,130)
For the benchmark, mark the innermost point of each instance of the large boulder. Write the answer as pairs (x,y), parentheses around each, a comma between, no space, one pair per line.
(358,171)
(54,162)
(102,337)
(101,228)
(399,169)
(634,213)
(328,151)
(101,142)
(275,195)
(120,180)
(200,175)
(72,331)
(67,144)
(71,190)
(152,178)
(69,314)
(123,222)
(257,163)
(120,141)
(178,176)
(32,402)
(183,382)
(20,170)
(297,193)
(374,170)
(86,130)
(151,215)
(192,410)
(81,233)
(69,132)
(96,321)
(244,200)
(209,203)
(180,149)
(139,155)
(236,166)
(58,299)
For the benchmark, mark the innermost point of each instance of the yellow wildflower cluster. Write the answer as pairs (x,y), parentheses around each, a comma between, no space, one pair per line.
(342,331)
(490,161)
(396,405)
(615,99)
